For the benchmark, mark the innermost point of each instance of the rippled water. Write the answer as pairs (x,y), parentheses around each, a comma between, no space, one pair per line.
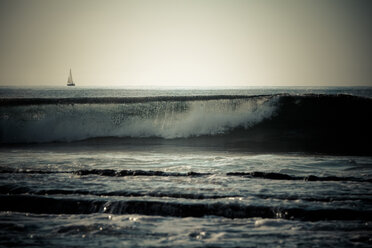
(164,196)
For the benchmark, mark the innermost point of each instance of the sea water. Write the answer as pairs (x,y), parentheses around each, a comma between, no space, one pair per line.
(254,167)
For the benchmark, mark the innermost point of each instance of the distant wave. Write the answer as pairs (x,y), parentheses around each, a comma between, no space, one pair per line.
(11,190)
(150,173)
(316,123)
(16,190)
(50,205)
(120,100)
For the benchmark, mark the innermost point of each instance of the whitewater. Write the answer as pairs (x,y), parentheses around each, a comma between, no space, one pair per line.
(254,167)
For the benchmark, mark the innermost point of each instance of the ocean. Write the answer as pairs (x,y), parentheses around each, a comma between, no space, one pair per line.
(250,167)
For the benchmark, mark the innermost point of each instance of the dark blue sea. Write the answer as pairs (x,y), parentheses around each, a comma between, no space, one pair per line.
(249,167)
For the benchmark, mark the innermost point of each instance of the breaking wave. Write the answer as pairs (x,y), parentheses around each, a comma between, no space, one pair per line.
(48,120)
(330,123)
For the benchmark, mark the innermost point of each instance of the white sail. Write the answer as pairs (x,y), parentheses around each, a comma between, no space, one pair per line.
(70,82)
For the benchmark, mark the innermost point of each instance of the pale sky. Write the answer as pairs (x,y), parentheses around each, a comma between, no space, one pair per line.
(186,43)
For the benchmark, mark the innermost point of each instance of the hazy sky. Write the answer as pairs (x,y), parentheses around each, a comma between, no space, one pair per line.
(186,43)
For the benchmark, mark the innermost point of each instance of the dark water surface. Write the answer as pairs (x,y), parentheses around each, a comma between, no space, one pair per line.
(267,167)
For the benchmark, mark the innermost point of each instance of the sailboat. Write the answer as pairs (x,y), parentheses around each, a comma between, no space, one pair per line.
(70,82)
